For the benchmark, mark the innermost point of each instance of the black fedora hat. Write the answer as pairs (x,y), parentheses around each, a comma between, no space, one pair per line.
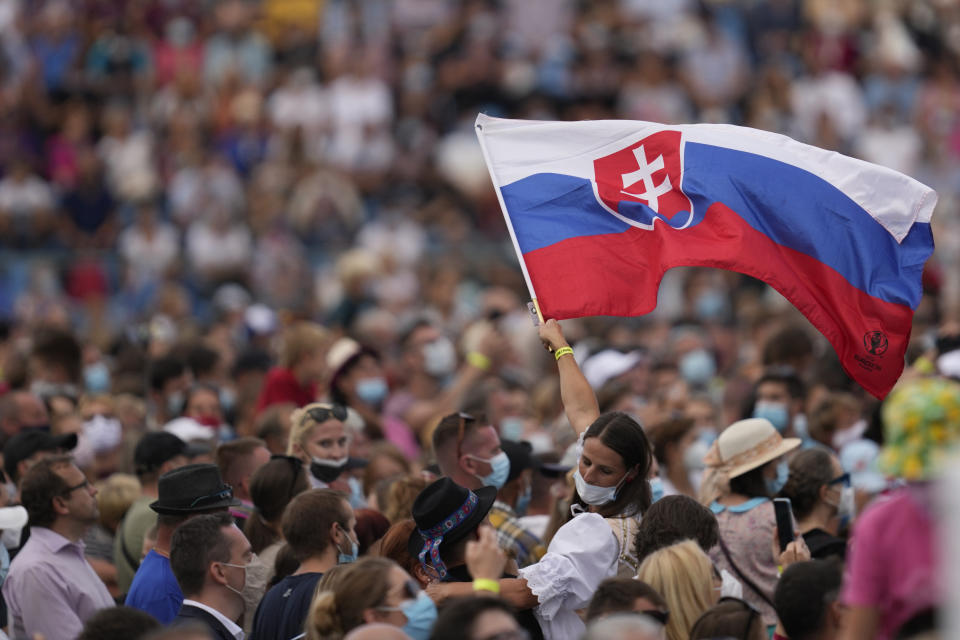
(192,489)
(446,508)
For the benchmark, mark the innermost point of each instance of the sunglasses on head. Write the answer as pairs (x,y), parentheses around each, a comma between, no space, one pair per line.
(322,414)
(464,418)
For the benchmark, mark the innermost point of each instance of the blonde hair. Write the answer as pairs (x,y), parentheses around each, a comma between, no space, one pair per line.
(683,574)
(300,340)
(301,425)
(360,586)
(114,497)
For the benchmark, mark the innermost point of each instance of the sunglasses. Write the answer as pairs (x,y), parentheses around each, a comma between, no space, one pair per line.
(662,617)
(322,414)
(411,590)
(843,479)
(224,493)
(464,418)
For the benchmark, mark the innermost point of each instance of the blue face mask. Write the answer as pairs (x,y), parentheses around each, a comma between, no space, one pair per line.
(421,615)
(512,428)
(347,558)
(96,377)
(523,501)
(775,412)
(500,465)
(698,367)
(776,484)
(656,489)
(372,391)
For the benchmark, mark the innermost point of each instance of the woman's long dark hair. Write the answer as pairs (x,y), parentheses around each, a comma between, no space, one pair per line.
(752,483)
(623,434)
(272,487)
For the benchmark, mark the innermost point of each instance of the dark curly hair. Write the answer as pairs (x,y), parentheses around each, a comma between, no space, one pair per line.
(809,470)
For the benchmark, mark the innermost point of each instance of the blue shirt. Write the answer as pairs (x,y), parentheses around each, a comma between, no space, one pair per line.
(155,589)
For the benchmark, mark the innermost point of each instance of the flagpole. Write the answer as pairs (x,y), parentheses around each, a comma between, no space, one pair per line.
(506,217)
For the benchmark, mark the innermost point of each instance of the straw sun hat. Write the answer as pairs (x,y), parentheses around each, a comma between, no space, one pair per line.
(746,445)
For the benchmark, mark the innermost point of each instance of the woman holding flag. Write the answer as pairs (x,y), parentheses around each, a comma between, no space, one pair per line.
(612,492)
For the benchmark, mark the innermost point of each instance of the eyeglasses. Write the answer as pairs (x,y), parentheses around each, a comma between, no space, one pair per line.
(296,465)
(843,479)
(663,617)
(744,606)
(69,490)
(226,492)
(461,429)
(322,414)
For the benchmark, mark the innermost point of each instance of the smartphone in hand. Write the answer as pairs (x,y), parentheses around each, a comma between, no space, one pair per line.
(785,527)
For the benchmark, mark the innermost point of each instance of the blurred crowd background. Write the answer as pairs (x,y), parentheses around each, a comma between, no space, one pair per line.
(188,180)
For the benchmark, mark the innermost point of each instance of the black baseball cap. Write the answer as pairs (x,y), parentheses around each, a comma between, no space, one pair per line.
(156,448)
(28,442)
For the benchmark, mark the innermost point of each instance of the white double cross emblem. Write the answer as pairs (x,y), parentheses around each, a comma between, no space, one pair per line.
(644,173)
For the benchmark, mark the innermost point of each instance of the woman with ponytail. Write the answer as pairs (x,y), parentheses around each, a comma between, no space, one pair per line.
(371,590)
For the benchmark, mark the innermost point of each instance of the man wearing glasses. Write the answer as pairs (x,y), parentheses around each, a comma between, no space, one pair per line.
(51,588)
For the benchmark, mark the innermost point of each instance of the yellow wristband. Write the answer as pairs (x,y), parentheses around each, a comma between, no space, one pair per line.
(485,584)
(479,360)
(562,351)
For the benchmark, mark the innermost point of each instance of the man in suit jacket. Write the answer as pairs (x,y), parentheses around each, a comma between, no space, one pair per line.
(209,556)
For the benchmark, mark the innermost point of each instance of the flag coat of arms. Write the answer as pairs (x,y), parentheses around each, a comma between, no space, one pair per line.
(599,210)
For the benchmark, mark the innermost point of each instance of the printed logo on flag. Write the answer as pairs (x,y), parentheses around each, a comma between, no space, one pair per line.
(642,182)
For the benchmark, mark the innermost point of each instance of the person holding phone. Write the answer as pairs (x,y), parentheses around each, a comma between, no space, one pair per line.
(749,456)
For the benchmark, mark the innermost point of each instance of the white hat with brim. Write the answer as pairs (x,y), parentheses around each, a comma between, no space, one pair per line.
(746,445)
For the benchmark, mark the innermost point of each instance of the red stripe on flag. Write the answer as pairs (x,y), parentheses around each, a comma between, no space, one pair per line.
(619,275)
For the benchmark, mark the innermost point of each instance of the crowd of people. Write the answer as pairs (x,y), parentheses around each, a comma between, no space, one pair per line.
(267,370)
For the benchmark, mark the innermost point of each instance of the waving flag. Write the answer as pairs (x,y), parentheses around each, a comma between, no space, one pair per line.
(599,210)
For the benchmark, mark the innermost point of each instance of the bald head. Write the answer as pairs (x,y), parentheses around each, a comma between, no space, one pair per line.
(377,631)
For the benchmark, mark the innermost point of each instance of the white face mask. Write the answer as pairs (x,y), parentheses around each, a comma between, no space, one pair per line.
(592,494)
(847,506)
(731,587)
(693,456)
(440,357)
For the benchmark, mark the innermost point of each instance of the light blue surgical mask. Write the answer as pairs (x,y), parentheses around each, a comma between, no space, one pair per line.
(698,367)
(96,377)
(523,501)
(775,412)
(512,428)
(656,489)
(372,391)
(347,558)
(421,615)
(500,470)
(774,485)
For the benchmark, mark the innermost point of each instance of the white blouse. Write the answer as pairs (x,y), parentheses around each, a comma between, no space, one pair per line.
(582,554)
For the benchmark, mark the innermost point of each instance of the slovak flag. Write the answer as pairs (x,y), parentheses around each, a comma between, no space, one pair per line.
(599,210)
